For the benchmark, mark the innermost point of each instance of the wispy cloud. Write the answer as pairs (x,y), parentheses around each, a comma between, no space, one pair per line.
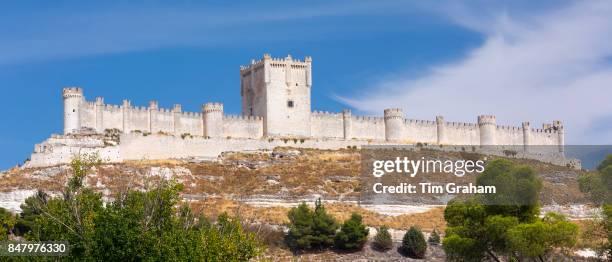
(538,68)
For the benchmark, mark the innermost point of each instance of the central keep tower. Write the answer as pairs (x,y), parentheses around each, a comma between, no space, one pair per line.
(278,89)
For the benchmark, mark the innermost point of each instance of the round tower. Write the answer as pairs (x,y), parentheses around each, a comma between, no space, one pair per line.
(394,124)
(558,126)
(347,124)
(488,129)
(73,97)
(526,135)
(213,119)
(441,128)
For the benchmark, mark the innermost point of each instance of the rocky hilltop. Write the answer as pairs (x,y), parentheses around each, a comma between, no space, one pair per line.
(261,186)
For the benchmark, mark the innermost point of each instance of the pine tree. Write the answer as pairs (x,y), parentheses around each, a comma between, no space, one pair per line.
(382,240)
(353,234)
(413,244)
(434,238)
(301,227)
(311,229)
(325,227)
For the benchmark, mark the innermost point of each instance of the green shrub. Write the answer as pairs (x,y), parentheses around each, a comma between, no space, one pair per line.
(478,229)
(136,226)
(7,222)
(536,240)
(607,212)
(353,234)
(413,243)
(382,240)
(434,238)
(310,229)
(592,185)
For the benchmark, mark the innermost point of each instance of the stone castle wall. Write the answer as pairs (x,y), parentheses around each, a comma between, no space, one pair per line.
(276,102)
(96,115)
(276,105)
(242,126)
(366,127)
(61,149)
(325,124)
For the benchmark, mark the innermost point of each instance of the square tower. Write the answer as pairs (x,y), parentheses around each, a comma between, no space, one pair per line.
(278,89)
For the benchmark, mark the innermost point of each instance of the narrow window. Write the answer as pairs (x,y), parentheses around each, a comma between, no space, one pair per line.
(290,103)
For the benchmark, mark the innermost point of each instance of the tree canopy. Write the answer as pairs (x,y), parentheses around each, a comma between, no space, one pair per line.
(505,224)
(137,225)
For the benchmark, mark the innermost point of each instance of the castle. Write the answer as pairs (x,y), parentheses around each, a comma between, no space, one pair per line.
(276,106)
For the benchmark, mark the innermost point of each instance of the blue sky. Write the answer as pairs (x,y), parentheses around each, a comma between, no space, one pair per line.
(518,60)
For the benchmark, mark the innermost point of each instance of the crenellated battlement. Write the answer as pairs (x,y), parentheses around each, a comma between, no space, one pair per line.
(394,113)
(368,119)
(141,109)
(420,122)
(276,102)
(242,118)
(72,92)
(486,120)
(191,114)
(325,114)
(165,111)
(557,125)
(509,128)
(543,131)
(278,62)
(460,125)
(153,105)
(211,122)
(99,100)
(110,108)
(212,107)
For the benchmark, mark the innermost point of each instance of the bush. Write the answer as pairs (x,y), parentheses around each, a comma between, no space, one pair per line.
(536,240)
(413,244)
(353,234)
(325,226)
(136,226)
(382,240)
(7,222)
(592,184)
(607,212)
(434,238)
(310,230)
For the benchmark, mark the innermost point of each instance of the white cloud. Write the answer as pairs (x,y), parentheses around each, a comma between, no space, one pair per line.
(537,68)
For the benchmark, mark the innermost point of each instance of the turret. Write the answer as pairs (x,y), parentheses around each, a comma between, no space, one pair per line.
(176,121)
(526,135)
(441,129)
(394,124)
(126,106)
(488,129)
(558,126)
(73,97)
(153,107)
(347,123)
(213,119)
(99,115)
